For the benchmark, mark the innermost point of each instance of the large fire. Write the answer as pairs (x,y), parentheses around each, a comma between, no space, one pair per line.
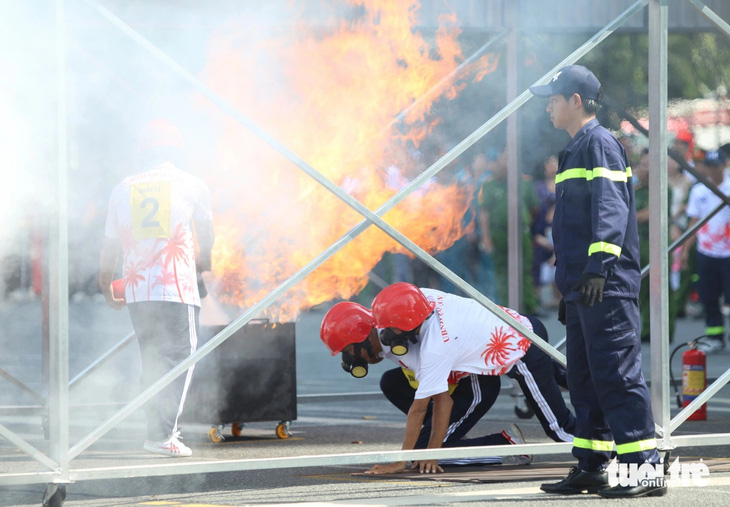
(331,98)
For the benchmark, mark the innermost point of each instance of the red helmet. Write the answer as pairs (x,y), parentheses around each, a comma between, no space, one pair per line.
(159,133)
(401,305)
(345,323)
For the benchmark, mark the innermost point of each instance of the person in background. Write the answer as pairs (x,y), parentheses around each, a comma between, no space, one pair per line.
(713,249)
(156,217)
(598,274)
(466,257)
(543,267)
(680,183)
(642,217)
(493,207)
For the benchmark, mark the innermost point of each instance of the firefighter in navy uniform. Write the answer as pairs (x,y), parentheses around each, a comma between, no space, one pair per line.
(598,274)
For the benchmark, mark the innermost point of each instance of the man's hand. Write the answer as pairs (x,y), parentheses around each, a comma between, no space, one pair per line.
(390,468)
(430,466)
(112,301)
(561,311)
(590,288)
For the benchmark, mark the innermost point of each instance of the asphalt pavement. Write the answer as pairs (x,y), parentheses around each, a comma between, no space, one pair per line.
(337,414)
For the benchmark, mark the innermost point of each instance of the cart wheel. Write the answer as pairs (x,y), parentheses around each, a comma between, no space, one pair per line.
(236,429)
(215,435)
(282,430)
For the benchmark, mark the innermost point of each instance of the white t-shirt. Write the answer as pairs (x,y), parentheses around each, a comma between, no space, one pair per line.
(152,214)
(461,337)
(713,238)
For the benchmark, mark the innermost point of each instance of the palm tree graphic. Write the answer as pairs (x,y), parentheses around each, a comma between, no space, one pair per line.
(164,278)
(173,251)
(132,276)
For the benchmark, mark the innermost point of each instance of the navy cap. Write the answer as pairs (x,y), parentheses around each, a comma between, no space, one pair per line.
(570,79)
(715,157)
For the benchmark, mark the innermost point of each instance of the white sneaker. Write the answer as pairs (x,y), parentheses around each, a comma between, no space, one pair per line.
(514,437)
(710,345)
(171,447)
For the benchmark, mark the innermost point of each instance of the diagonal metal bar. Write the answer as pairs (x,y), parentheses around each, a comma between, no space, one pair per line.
(24,446)
(710,14)
(700,400)
(102,359)
(262,228)
(677,157)
(686,234)
(20,384)
(400,116)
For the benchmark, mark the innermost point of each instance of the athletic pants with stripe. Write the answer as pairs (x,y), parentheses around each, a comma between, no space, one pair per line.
(714,281)
(539,378)
(167,334)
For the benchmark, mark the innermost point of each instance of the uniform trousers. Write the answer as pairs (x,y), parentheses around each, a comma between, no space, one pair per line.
(607,388)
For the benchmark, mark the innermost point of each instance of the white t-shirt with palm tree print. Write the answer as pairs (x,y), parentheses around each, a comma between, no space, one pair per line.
(152,214)
(461,337)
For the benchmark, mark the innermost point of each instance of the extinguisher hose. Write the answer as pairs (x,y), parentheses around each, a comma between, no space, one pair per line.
(671,375)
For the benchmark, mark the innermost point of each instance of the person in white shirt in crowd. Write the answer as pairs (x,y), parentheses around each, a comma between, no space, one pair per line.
(156,217)
(713,249)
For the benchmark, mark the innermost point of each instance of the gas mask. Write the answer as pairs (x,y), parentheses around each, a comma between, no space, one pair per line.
(354,364)
(398,343)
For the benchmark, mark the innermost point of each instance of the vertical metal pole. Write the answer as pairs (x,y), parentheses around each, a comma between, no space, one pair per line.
(514,217)
(658,218)
(58,271)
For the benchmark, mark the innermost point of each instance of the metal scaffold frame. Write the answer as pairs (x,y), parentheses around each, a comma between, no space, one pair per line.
(62,452)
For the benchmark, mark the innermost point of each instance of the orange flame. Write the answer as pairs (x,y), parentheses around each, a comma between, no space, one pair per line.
(331,98)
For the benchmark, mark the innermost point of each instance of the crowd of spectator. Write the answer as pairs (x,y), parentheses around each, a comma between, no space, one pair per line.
(481,256)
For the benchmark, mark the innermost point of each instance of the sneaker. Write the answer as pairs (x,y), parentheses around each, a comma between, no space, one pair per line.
(171,447)
(514,436)
(710,345)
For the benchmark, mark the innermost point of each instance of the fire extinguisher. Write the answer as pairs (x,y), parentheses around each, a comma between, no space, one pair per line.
(694,379)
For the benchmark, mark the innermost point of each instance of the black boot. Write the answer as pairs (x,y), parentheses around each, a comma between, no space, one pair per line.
(647,487)
(578,481)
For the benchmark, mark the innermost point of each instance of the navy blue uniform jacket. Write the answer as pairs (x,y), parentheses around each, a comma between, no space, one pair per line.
(594,227)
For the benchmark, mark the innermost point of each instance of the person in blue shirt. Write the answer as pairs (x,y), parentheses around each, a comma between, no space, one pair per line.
(598,275)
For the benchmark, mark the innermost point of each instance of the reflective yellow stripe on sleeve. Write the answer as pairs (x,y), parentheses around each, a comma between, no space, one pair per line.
(641,445)
(597,172)
(570,174)
(604,247)
(602,172)
(593,445)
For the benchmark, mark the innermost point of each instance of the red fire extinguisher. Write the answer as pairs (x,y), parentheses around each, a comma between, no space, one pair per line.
(694,380)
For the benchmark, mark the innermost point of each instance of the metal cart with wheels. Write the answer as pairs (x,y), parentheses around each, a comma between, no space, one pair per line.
(251,377)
